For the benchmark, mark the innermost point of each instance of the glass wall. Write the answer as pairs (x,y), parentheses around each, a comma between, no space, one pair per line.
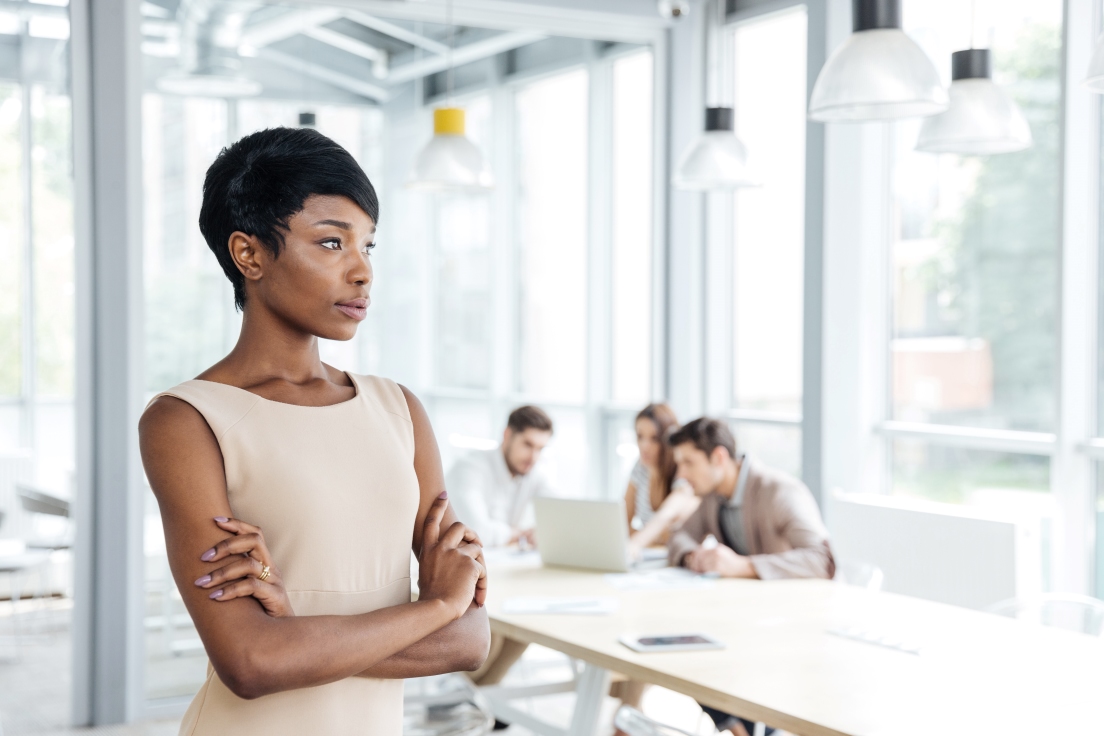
(37,288)
(552,232)
(975,259)
(37,363)
(768,275)
(631,322)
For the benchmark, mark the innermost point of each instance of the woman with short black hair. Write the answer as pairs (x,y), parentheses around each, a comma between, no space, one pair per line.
(341,471)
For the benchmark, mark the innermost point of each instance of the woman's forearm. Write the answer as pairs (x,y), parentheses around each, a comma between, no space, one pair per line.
(281,654)
(461,646)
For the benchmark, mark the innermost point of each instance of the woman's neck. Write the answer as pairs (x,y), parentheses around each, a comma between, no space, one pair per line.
(270,349)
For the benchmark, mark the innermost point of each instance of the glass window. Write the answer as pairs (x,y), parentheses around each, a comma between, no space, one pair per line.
(632,228)
(975,239)
(552,218)
(464,271)
(770,219)
(11,241)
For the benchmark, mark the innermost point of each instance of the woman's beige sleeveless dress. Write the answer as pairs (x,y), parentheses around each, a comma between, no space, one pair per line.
(335,491)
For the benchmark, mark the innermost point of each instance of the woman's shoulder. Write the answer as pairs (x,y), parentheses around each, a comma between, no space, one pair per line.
(220,405)
(640,476)
(388,395)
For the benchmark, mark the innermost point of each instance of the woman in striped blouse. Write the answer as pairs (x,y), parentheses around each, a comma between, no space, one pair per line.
(656,503)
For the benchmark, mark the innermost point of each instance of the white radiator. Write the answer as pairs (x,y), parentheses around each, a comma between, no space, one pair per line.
(940,552)
(16,466)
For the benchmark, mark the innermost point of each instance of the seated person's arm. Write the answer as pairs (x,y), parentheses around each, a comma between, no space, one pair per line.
(253,653)
(630,504)
(798,516)
(467,489)
(675,509)
(687,537)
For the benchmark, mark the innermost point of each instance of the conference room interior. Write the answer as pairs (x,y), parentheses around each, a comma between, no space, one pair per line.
(914,334)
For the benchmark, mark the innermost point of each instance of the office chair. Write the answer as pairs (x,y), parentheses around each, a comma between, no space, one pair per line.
(445,705)
(635,723)
(1078,613)
(859,574)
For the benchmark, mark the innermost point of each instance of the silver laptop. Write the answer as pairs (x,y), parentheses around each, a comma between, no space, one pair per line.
(579,533)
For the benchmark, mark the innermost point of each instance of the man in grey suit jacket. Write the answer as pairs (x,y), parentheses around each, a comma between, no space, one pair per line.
(766,524)
(763,523)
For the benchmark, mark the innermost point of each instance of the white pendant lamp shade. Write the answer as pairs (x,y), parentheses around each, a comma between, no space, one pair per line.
(1094,80)
(879,73)
(450,161)
(717,160)
(982,118)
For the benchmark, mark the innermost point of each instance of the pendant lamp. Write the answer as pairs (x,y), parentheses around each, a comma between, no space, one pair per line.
(718,160)
(982,118)
(449,161)
(879,73)
(1094,80)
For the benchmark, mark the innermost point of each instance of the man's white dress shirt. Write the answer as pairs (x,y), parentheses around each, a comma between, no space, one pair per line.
(489,499)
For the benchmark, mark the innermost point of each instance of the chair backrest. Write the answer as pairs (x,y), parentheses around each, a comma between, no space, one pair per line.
(635,723)
(859,574)
(1064,610)
(445,705)
(37,501)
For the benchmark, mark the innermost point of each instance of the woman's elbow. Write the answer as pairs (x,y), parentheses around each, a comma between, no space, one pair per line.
(477,647)
(244,677)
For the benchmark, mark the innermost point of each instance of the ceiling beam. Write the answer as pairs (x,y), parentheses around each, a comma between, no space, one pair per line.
(464,55)
(396,32)
(378,57)
(325,74)
(286,26)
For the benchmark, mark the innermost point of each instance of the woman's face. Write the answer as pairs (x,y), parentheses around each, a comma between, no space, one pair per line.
(321,281)
(648,442)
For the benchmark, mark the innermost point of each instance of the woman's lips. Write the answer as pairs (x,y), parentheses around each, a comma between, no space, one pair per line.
(356,308)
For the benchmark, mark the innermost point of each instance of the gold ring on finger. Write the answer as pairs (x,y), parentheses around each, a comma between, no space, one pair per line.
(265,570)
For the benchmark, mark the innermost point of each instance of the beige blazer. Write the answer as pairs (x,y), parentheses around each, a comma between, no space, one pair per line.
(785,535)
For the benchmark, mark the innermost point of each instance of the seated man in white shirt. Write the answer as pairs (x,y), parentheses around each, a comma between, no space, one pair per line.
(492,492)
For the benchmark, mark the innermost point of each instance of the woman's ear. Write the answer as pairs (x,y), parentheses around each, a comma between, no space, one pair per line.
(248,254)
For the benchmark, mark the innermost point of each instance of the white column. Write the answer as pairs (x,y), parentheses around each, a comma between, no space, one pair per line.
(685,226)
(1071,473)
(107,621)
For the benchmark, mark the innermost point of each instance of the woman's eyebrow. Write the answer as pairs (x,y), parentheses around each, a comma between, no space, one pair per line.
(335,223)
(341,225)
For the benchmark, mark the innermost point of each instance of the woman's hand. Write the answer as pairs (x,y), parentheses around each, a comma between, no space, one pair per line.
(247,559)
(451,566)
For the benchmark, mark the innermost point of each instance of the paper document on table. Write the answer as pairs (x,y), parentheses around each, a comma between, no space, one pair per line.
(667,578)
(560,604)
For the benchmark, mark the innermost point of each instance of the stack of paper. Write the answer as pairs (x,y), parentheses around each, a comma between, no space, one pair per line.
(560,604)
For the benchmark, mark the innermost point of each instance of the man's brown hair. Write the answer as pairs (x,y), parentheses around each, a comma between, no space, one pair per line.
(529,417)
(705,434)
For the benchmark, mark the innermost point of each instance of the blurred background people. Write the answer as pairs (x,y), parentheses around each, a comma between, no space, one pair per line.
(492,490)
(655,501)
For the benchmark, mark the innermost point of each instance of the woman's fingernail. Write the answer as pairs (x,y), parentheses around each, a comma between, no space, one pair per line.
(203,580)
(221,519)
(208,555)
(216,594)
(444,494)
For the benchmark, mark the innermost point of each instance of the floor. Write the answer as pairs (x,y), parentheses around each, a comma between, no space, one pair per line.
(35,681)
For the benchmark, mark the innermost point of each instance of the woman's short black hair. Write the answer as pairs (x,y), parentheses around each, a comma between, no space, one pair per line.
(258,183)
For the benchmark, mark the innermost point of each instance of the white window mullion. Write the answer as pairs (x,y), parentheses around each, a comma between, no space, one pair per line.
(1072,468)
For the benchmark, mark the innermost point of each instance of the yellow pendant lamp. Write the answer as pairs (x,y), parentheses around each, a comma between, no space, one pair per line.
(450,161)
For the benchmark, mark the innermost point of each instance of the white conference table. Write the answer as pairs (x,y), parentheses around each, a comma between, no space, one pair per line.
(975,673)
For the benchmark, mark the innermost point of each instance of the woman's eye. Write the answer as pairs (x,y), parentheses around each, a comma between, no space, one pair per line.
(369,248)
(331,243)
